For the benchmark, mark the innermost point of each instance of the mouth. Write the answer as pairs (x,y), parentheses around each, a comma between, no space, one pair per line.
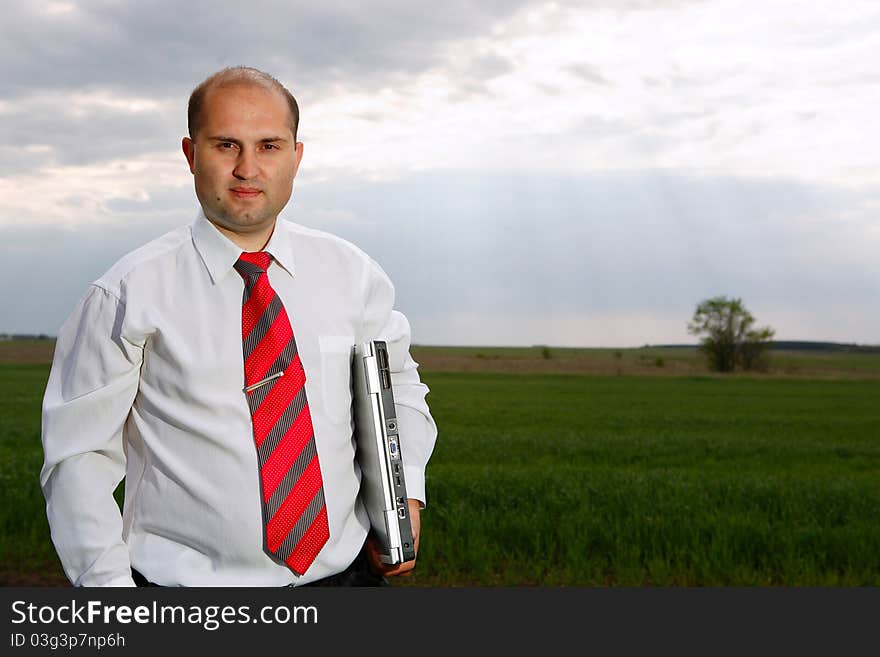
(245,192)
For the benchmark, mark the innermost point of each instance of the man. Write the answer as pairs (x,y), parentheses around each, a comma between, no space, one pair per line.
(210,368)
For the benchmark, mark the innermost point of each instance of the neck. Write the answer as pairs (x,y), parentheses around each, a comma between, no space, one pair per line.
(253,241)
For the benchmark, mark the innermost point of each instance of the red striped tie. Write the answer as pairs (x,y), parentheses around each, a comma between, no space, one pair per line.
(294,513)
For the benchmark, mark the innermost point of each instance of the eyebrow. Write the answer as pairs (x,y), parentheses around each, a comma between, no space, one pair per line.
(264,140)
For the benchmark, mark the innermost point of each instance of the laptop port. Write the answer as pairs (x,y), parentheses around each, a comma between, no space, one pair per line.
(382,355)
(401,513)
(397,468)
(386,378)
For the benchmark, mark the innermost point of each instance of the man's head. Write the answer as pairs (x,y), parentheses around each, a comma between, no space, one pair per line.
(237,75)
(242,150)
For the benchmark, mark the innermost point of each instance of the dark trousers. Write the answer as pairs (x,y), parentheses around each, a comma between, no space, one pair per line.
(357,574)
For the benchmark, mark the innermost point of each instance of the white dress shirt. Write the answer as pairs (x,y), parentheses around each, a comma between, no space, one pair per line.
(147,383)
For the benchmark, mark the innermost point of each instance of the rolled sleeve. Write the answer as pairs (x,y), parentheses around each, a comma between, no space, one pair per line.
(91,388)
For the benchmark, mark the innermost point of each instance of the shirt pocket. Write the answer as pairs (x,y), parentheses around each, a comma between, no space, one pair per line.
(336,354)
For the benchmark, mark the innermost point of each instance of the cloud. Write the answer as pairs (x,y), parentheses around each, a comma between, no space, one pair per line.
(73,196)
(600,329)
(168,46)
(565,160)
(56,129)
(90,82)
(618,245)
(567,87)
(577,251)
(587,72)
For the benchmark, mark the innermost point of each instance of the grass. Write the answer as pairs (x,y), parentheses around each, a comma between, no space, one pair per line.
(584,480)
(587,479)
(26,553)
(643,361)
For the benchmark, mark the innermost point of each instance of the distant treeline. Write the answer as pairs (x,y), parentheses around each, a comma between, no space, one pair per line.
(787,345)
(826,346)
(797,345)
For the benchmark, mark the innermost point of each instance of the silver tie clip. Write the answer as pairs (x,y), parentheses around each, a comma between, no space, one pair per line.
(264,381)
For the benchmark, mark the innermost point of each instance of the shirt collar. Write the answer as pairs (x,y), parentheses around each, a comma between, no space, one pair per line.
(280,246)
(219,253)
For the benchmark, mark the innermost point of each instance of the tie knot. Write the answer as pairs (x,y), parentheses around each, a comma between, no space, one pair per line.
(249,264)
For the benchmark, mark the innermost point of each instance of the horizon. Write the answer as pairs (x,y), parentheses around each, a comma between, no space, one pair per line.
(8,336)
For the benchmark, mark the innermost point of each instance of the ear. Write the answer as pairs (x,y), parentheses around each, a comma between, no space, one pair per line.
(189,150)
(297,157)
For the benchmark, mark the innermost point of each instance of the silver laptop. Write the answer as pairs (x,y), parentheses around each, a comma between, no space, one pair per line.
(383,488)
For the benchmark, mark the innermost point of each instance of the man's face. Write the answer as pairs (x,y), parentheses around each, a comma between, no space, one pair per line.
(243,158)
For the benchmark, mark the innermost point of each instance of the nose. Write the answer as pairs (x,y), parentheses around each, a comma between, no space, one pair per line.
(246,167)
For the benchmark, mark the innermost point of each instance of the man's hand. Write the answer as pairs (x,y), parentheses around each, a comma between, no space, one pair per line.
(401,568)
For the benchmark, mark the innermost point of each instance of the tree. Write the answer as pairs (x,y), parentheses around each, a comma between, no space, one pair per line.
(729,339)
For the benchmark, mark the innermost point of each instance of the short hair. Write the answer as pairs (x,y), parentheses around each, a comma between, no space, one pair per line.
(237,76)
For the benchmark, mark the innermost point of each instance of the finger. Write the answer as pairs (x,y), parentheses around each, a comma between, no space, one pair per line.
(400,569)
(373,556)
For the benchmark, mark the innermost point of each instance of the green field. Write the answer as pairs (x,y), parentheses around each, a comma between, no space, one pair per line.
(583,480)
(594,479)
(26,554)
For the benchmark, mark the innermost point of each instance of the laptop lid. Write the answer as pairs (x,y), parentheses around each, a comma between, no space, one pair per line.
(383,487)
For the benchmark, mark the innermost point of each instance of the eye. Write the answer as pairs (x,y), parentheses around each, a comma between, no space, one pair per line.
(271,147)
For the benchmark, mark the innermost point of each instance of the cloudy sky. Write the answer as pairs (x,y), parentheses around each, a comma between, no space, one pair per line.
(563,173)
